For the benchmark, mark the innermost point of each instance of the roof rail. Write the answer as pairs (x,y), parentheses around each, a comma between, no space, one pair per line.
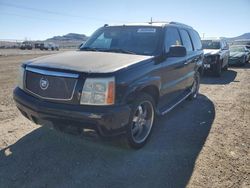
(151,22)
(178,23)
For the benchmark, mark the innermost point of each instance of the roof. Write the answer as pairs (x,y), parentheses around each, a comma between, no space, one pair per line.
(155,23)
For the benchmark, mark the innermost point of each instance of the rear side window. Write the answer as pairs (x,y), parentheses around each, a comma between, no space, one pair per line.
(172,37)
(196,40)
(186,40)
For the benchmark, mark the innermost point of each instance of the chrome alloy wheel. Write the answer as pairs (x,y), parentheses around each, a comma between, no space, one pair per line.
(142,121)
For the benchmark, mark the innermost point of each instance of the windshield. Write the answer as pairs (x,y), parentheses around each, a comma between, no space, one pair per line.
(125,39)
(208,44)
(237,49)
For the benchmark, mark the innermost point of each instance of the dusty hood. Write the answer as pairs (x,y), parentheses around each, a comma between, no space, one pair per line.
(86,61)
(211,51)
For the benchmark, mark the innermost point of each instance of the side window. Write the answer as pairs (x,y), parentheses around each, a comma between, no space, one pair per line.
(186,40)
(196,40)
(226,45)
(222,45)
(172,37)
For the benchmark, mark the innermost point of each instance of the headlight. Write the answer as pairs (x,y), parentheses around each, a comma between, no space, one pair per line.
(98,91)
(20,78)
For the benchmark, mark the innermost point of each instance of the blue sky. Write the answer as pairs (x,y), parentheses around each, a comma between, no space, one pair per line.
(33,19)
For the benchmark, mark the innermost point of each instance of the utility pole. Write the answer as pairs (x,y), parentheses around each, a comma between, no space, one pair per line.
(151,20)
(203,35)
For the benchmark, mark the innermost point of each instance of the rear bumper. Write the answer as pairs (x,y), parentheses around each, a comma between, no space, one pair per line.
(108,120)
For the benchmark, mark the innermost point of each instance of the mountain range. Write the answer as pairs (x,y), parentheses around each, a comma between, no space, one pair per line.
(69,37)
(243,36)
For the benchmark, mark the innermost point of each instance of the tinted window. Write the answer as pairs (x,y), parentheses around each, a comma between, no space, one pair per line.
(172,37)
(223,45)
(139,40)
(186,40)
(196,40)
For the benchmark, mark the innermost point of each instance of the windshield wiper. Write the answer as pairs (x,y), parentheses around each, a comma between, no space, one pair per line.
(119,50)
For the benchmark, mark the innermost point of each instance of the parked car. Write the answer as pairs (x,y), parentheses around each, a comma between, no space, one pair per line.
(216,54)
(26,45)
(49,46)
(117,83)
(38,45)
(239,55)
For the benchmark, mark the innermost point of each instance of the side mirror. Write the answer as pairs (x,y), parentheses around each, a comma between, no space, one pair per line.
(177,51)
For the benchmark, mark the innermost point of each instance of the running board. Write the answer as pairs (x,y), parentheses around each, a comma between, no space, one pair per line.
(172,107)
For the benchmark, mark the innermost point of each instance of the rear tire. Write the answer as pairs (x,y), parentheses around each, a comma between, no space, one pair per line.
(195,87)
(141,121)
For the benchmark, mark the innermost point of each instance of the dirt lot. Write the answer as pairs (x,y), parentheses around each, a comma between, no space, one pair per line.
(203,143)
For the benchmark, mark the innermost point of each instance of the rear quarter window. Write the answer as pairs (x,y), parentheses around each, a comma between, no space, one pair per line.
(186,40)
(196,40)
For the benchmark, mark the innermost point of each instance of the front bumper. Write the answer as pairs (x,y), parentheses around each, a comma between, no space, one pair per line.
(209,64)
(107,120)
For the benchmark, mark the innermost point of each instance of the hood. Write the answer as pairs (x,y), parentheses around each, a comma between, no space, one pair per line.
(87,61)
(211,51)
(237,54)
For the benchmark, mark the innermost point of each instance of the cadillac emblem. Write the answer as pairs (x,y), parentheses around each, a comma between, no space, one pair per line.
(44,83)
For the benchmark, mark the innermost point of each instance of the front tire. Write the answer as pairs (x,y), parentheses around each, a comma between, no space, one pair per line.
(217,71)
(225,68)
(141,121)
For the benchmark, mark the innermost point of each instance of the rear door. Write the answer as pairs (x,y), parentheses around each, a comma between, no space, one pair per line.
(172,71)
(190,59)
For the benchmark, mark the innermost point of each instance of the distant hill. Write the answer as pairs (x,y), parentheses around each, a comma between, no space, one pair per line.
(71,40)
(69,37)
(243,36)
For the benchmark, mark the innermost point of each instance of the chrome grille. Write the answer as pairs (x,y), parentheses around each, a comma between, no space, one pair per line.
(50,84)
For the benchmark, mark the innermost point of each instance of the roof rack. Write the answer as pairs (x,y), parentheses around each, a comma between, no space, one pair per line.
(178,23)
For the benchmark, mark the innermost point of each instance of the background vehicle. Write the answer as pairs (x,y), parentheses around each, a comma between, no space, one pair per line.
(244,42)
(239,55)
(118,81)
(26,45)
(49,46)
(216,54)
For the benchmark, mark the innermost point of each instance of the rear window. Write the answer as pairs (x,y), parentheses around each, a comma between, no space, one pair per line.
(195,39)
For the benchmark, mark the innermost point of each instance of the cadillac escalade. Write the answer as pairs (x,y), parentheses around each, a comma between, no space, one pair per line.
(117,83)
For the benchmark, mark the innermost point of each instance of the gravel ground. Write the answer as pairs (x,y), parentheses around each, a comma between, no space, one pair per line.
(201,143)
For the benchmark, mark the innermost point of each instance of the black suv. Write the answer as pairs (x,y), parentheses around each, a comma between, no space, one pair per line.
(116,83)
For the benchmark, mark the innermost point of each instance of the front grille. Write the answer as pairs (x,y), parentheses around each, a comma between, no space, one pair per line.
(50,85)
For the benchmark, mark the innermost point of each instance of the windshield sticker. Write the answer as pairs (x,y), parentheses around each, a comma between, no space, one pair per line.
(146,30)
